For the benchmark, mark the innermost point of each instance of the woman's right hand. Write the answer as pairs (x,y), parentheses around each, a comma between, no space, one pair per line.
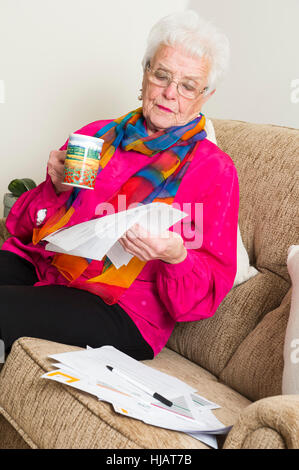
(55,170)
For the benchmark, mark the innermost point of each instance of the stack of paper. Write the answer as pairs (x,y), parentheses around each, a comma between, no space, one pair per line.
(99,237)
(124,387)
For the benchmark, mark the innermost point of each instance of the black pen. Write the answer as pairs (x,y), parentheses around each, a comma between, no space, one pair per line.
(155,395)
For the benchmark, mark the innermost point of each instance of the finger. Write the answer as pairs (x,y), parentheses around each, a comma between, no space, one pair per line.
(60,157)
(135,246)
(57,155)
(150,246)
(130,234)
(140,231)
(137,232)
(121,242)
(54,173)
(131,240)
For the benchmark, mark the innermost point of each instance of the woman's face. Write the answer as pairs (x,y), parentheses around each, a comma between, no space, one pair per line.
(165,107)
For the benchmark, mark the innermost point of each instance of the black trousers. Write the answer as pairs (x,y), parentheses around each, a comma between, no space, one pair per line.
(62,314)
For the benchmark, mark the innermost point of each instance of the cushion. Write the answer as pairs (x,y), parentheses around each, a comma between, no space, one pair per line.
(244,270)
(51,415)
(10,438)
(4,234)
(255,370)
(212,342)
(270,423)
(290,378)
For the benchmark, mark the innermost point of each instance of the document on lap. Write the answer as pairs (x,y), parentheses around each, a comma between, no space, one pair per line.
(86,370)
(99,237)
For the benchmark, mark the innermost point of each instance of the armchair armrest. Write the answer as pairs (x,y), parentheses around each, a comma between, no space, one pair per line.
(269,423)
(4,234)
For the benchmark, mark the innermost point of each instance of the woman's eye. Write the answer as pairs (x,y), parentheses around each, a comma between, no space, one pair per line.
(188,86)
(161,75)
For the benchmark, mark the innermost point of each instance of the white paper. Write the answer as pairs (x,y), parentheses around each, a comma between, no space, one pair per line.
(207,423)
(102,392)
(103,380)
(72,379)
(118,256)
(188,413)
(95,361)
(200,402)
(207,439)
(96,238)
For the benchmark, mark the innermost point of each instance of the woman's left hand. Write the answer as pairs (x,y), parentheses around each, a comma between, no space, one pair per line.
(169,246)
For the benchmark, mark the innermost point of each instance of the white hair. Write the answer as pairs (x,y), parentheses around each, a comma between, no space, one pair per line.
(198,37)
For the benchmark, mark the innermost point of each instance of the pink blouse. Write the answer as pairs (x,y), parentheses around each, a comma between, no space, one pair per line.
(163,293)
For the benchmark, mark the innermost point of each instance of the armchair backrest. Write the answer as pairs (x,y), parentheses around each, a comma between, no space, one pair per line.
(238,336)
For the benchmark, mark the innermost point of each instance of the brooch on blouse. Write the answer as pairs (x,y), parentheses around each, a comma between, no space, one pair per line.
(41,215)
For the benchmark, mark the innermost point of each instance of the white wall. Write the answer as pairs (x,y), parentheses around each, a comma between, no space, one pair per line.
(65,63)
(264,39)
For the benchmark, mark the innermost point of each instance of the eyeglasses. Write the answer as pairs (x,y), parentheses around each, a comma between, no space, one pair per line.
(186,88)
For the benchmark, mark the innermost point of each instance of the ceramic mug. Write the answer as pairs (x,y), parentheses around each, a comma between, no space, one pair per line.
(82,161)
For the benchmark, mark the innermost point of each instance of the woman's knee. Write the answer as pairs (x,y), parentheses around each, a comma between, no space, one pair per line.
(15,270)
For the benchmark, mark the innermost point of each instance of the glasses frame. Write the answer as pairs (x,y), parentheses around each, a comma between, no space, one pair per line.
(177,82)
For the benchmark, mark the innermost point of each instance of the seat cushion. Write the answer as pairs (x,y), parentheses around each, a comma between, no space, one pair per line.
(51,415)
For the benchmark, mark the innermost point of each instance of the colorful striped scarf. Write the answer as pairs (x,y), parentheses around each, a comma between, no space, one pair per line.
(171,152)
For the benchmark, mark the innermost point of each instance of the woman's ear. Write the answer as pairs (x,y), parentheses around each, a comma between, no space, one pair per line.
(140,96)
(208,96)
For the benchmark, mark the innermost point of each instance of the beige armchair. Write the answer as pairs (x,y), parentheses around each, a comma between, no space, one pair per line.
(234,358)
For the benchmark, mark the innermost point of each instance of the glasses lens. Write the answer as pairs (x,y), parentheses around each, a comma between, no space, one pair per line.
(160,77)
(187,90)
(163,79)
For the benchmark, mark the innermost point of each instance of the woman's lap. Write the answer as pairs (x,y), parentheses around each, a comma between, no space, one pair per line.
(15,270)
(62,314)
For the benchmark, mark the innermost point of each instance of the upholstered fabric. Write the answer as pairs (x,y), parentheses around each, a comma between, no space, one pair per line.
(255,370)
(270,423)
(11,437)
(263,438)
(213,342)
(265,157)
(3,231)
(290,377)
(51,415)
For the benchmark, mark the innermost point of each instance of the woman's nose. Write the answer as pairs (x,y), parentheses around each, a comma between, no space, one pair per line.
(171,91)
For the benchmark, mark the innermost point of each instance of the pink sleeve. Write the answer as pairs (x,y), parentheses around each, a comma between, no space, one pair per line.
(193,289)
(22,217)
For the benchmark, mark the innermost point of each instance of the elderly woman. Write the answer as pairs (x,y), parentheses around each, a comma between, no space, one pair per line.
(158,152)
